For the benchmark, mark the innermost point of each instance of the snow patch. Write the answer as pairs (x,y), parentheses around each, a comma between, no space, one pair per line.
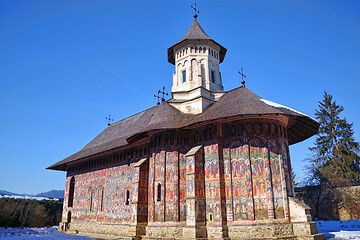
(277,105)
(340,229)
(36,234)
(28,197)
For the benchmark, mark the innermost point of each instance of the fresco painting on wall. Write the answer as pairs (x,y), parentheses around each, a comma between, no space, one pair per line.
(182,184)
(240,177)
(159,183)
(172,190)
(118,180)
(212,181)
(276,178)
(257,159)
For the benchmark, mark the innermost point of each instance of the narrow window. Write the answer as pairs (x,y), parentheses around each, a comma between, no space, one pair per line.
(184,76)
(90,199)
(158,192)
(127,197)
(71,192)
(240,130)
(226,131)
(101,199)
(233,131)
(69,217)
(212,76)
(211,133)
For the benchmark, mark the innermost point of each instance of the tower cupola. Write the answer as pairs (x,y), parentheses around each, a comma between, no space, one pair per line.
(197,79)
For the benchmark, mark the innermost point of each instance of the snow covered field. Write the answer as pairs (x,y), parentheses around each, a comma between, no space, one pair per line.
(334,230)
(337,230)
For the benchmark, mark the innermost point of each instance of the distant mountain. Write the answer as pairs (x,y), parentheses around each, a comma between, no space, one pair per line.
(3,192)
(52,194)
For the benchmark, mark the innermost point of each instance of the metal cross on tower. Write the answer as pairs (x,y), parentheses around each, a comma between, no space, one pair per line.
(195,9)
(109,119)
(242,77)
(163,95)
(158,98)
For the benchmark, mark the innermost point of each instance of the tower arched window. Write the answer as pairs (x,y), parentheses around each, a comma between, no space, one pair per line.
(204,50)
(158,192)
(71,192)
(200,50)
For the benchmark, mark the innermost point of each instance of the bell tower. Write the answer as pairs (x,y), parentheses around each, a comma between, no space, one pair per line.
(197,79)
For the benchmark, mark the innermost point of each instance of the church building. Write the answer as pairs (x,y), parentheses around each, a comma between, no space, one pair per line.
(205,164)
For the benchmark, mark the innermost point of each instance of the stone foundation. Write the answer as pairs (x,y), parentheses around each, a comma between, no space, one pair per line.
(264,231)
(119,230)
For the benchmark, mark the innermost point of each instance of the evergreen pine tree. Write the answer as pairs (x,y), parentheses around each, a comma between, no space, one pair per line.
(335,156)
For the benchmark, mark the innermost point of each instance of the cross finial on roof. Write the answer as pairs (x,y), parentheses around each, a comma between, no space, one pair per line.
(109,119)
(163,95)
(195,10)
(242,77)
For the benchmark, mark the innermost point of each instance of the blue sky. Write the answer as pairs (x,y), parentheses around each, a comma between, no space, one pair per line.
(65,65)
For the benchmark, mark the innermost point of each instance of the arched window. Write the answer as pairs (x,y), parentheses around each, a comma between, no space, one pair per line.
(101,199)
(240,130)
(210,133)
(200,49)
(249,129)
(159,192)
(226,131)
(233,131)
(90,199)
(267,128)
(204,50)
(196,50)
(127,202)
(71,192)
(257,128)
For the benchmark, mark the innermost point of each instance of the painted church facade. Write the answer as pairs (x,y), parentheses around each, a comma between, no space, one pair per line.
(205,164)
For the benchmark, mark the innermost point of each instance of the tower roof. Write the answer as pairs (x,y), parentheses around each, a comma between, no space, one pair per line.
(195,32)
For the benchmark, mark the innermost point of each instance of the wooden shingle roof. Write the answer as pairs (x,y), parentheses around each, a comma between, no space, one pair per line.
(238,102)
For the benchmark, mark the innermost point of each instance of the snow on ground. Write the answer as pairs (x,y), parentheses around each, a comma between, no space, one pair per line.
(28,197)
(334,230)
(340,230)
(37,234)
